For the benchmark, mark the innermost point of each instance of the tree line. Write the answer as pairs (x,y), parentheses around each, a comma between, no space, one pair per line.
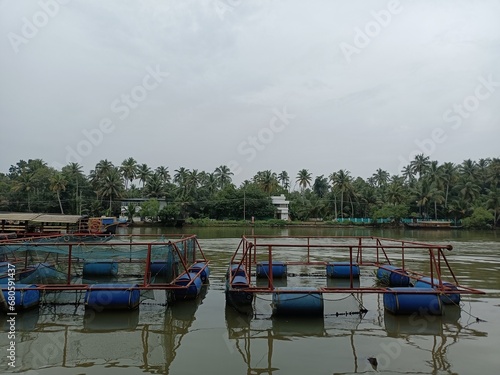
(467,192)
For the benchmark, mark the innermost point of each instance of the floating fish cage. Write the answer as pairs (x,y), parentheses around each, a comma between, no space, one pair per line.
(260,263)
(67,265)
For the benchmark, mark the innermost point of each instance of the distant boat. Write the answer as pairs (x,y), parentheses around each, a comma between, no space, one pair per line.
(431,224)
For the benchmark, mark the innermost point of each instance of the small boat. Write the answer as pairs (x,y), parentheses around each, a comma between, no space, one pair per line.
(431,224)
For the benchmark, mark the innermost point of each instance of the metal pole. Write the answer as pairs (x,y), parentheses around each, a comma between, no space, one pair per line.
(68,280)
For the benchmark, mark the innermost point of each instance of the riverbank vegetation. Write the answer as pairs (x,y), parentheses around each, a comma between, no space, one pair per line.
(468,193)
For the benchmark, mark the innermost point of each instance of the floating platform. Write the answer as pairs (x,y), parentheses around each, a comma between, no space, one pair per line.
(260,263)
(66,266)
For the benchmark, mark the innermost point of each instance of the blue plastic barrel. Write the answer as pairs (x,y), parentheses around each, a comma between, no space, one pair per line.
(412,300)
(192,290)
(240,282)
(393,276)
(205,274)
(112,296)
(278,269)
(100,268)
(447,299)
(23,299)
(342,270)
(307,302)
(237,268)
(160,267)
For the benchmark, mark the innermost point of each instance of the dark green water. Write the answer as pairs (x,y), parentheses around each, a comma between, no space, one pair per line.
(206,337)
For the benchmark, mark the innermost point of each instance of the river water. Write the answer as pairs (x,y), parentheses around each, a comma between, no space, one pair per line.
(206,337)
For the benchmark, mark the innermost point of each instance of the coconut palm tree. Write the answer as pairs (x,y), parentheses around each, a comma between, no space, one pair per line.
(163,172)
(111,185)
(468,169)
(447,176)
(493,203)
(155,187)
(267,181)
(143,173)
(342,183)
(381,177)
(180,178)
(304,179)
(25,182)
(420,165)
(284,179)
(129,170)
(223,175)
(320,186)
(57,184)
(408,174)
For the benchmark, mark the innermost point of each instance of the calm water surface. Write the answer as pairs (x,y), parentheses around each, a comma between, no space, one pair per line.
(204,336)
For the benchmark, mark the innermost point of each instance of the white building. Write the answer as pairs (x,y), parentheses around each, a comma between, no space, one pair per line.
(281,206)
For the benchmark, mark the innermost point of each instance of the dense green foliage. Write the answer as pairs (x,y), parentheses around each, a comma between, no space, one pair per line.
(468,192)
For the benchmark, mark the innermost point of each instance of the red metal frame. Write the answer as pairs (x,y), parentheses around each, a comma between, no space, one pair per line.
(28,244)
(379,246)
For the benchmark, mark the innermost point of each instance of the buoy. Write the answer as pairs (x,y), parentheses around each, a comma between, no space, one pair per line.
(192,290)
(393,276)
(307,302)
(25,296)
(100,268)
(112,296)
(278,268)
(412,300)
(447,299)
(342,270)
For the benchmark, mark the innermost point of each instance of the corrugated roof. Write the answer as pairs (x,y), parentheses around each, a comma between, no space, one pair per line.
(39,218)
(49,218)
(18,216)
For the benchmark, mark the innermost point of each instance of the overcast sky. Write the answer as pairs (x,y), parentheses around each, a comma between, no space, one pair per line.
(256,85)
